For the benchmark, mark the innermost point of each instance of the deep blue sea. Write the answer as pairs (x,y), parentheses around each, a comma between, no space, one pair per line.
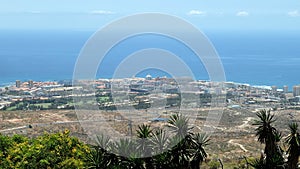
(253,57)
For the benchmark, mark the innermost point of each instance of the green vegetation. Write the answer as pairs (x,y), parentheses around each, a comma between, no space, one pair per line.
(153,148)
(47,151)
(62,103)
(273,155)
(268,135)
(293,140)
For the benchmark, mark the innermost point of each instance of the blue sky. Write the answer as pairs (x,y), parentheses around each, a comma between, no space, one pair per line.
(205,14)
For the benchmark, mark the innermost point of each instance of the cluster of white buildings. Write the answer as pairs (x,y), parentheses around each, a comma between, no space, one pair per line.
(148,85)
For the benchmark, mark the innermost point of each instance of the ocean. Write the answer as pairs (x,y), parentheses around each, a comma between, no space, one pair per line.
(253,57)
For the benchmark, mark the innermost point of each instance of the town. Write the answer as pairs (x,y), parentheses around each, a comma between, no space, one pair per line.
(144,92)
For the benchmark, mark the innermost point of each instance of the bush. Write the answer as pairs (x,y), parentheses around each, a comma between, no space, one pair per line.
(47,151)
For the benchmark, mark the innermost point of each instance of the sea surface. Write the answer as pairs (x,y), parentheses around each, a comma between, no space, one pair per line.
(253,57)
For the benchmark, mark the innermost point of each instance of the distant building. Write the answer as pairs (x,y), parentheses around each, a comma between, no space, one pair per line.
(30,83)
(171,90)
(295,99)
(248,87)
(148,77)
(218,90)
(107,85)
(296,90)
(285,89)
(230,85)
(18,83)
(274,89)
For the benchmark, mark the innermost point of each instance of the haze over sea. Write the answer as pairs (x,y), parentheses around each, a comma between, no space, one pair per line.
(253,57)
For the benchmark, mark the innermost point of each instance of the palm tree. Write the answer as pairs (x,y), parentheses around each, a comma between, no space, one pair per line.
(199,142)
(293,140)
(144,133)
(159,141)
(180,153)
(258,164)
(97,159)
(180,143)
(124,147)
(100,157)
(179,125)
(126,154)
(159,145)
(103,141)
(269,136)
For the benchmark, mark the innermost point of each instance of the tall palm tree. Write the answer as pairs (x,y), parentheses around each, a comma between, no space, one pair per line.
(199,154)
(180,153)
(180,143)
(268,135)
(159,145)
(293,140)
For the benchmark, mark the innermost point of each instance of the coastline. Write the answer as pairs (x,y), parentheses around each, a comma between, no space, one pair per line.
(261,86)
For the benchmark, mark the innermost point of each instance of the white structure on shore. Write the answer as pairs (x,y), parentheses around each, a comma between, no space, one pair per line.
(285,89)
(296,90)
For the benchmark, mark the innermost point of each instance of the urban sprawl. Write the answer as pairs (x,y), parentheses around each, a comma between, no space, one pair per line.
(141,93)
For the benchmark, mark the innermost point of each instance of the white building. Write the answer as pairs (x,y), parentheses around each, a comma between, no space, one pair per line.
(285,89)
(296,90)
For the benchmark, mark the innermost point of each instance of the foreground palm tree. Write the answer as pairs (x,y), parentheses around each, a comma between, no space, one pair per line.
(179,144)
(144,133)
(293,140)
(159,141)
(180,150)
(179,125)
(159,145)
(99,156)
(188,151)
(268,135)
(127,154)
(199,142)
